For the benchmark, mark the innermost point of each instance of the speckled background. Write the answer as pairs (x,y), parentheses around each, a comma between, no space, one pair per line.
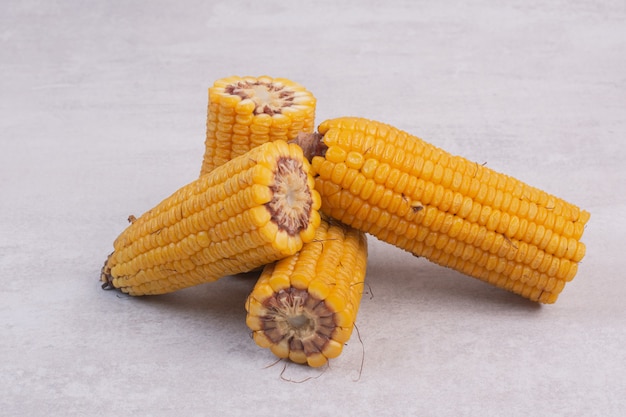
(103,109)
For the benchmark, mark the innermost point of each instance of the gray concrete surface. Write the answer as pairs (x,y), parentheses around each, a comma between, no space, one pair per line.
(103,110)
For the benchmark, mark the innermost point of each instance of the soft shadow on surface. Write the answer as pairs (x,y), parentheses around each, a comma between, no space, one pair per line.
(417,280)
(224,299)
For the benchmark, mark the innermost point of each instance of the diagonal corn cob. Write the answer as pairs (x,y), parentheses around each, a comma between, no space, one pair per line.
(253,210)
(304,307)
(445,208)
(245,112)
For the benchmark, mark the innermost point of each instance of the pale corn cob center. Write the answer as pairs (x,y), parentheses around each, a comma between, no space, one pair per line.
(300,318)
(268,97)
(291,203)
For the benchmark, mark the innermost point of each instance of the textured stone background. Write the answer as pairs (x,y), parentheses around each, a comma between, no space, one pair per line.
(103,109)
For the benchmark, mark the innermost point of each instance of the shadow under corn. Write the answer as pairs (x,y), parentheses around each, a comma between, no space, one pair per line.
(220,303)
(407,279)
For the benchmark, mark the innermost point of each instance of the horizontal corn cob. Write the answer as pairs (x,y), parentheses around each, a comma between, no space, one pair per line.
(304,307)
(445,208)
(253,210)
(245,112)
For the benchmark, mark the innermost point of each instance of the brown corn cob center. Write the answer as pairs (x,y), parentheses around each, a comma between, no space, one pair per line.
(305,321)
(268,97)
(291,203)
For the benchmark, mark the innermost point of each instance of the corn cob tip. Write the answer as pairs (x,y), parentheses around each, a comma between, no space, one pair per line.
(105,275)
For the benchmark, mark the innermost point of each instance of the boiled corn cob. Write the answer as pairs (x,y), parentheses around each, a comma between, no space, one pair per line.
(445,208)
(245,112)
(253,210)
(304,307)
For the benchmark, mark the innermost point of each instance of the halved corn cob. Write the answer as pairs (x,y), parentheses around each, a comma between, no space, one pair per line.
(304,307)
(445,208)
(245,112)
(253,210)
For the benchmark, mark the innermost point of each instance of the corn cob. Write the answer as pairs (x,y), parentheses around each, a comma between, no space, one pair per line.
(245,112)
(253,210)
(445,208)
(304,307)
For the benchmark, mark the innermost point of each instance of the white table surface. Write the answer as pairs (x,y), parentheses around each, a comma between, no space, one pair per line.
(103,109)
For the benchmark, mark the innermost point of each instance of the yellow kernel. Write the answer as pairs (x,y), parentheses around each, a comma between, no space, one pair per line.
(446,200)
(438,195)
(336,154)
(437,176)
(473,189)
(348,178)
(354,160)
(402,183)
(392,179)
(580,252)
(448,176)
(333,347)
(385,199)
(430,213)
(538,236)
(427,171)
(564,267)
(494,220)
(357,185)
(561,248)
(381,173)
(368,189)
(457,203)
(369,168)
(338,173)
(484,215)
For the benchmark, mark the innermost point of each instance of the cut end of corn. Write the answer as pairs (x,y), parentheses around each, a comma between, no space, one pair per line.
(300,319)
(245,112)
(268,97)
(303,307)
(292,199)
(246,213)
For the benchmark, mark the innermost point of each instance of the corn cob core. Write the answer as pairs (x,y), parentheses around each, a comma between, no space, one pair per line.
(445,208)
(303,307)
(251,211)
(245,112)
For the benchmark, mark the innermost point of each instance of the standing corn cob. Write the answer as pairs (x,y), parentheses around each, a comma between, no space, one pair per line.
(304,306)
(245,112)
(266,123)
(445,208)
(255,209)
